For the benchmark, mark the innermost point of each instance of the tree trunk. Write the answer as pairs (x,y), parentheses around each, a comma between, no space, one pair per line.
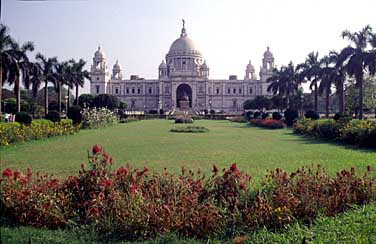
(327,94)
(17,90)
(46,98)
(76,102)
(360,83)
(59,97)
(341,98)
(1,85)
(68,100)
(288,102)
(316,97)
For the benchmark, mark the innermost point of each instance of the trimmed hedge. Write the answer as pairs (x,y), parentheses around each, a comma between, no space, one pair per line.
(355,132)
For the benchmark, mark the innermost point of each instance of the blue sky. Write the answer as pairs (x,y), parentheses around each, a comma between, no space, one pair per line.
(227,32)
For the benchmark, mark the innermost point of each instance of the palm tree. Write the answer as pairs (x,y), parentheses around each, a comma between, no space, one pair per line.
(79,75)
(310,70)
(338,77)
(48,68)
(357,58)
(7,58)
(20,68)
(62,77)
(327,76)
(284,82)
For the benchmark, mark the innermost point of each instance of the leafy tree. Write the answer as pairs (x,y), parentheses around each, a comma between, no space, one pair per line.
(357,59)
(260,102)
(310,70)
(19,67)
(369,95)
(86,99)
(7,56)
(79,75)
(106,100)
(48,74)
(285,81)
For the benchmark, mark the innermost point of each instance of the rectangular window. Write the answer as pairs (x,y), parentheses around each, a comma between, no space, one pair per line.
(209,90)
(250,90)
(166,89)
(150,91)
(240,91)
(138,90)
(228,90)
(217,90)
(132,90)
(234,90)
(127,90)
(97,87)
(117,90)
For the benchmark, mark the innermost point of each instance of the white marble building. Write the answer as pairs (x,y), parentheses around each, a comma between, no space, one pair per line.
(182,74)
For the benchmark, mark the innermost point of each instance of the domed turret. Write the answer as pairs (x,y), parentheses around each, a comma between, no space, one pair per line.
(116,71)
(99,54)
(162,69)
(250,72)
(204,70)
(268,53)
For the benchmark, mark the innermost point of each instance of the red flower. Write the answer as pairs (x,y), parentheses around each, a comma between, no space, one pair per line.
(101,195)
(233,167)
(7,173)
(133,189)
(82,166)
(369,168)
(16,174)
(96,149)
(28,173)
(215,169)
(241,186)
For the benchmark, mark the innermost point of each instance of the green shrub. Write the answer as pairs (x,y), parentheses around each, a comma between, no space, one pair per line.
(276,116)
(23,118)
(257,115)
(290,116)
(54,116)
(238,119)
(265,115)
(74,113)
(342,117)
(190,129)
(326,129)
(183,120)
(249,115)
(312,115)
(129,119)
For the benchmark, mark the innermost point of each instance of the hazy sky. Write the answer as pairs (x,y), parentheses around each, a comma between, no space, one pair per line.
(228,33)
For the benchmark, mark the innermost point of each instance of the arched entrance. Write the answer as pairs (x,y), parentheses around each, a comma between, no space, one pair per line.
(183,93)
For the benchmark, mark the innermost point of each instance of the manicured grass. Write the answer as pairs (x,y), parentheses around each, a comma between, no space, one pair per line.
(149,143)
(352,227)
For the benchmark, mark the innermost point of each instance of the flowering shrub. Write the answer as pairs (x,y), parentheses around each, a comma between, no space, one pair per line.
(131,204)
(238,119)
(268,123)
(96,118)
(39,129)
(354,132)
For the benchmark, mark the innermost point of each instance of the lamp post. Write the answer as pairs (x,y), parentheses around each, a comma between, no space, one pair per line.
(66,105)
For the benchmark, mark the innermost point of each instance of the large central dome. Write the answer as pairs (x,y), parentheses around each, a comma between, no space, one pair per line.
(183,46)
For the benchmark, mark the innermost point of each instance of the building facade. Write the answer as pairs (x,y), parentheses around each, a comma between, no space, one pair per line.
(183,75)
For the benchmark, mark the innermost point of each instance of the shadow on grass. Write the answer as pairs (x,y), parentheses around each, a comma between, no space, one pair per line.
(318,141)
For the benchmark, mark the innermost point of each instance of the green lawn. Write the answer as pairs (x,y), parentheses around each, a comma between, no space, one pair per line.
(149,143)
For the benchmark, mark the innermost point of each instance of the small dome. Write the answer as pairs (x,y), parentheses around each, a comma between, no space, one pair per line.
(268,53)
(163,65)
(99,53)
(117,66)
(204,66)
(250,66)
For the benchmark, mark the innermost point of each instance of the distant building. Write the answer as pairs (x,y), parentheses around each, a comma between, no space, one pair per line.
(183,75)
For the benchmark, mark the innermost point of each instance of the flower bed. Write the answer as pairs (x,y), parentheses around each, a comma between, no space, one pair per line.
(355,132)
(267,123)
(130,204)
(39,129)
(96,118)
(190,129)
